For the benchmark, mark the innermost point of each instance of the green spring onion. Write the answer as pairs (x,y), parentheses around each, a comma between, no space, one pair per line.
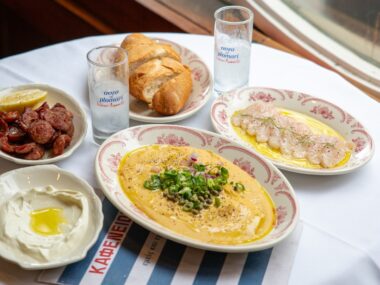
(195,188)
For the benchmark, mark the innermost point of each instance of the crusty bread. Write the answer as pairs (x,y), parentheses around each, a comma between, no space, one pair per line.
(156,75)
(133,39)
(173,94)
(148,77)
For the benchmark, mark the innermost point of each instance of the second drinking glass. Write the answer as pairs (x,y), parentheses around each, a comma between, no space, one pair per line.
(233,36)
(108,90)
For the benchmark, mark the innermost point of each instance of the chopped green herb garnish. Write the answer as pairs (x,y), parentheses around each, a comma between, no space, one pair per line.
(154,182)
(239,187)
(195,188)
(199,167)
(224,172)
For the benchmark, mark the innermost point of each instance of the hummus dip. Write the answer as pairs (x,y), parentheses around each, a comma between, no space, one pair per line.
(238,217)
(43,224)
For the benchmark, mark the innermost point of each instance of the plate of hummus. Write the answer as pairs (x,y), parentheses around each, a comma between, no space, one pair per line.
(196,188)
(48,217)
(297,132)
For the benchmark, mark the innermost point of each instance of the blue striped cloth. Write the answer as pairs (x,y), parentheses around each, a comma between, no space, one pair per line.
(166,265)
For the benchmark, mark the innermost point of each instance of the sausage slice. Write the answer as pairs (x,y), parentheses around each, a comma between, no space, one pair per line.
(60,144)
(41,131)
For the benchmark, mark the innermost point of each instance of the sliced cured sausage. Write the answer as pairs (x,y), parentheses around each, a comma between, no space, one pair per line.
(70,131)
(3,128)
(27,118)
(40,110)
(11,117)
(56,135)
(37,152)
(41,131)
(5,146)
(15,134)
(59,117)
(30,133)
(24,148)
(59,106)
(60,144)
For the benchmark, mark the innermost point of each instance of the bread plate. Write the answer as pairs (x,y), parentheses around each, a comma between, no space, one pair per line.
(19,181)
(281,192)
(330,114)
(54,95)
(199,96)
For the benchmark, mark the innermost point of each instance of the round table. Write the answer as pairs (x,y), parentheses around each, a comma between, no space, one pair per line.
(340,240)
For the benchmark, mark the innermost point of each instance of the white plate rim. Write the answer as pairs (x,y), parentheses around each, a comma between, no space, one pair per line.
(179,116)
(226,131)
(97,205)
(67,152)
(168,234)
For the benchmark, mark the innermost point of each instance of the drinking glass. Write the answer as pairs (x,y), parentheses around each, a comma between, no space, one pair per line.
(233,36)
(108,90)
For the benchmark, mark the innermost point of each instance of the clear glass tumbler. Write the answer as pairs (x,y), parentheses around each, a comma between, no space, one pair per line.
(233,37)
(108,90)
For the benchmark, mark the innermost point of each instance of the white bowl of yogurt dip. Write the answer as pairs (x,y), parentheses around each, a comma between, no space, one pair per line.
(48,217)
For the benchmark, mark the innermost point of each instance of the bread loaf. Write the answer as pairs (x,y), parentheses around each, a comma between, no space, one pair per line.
(173,94)
(157,76)
(142,49)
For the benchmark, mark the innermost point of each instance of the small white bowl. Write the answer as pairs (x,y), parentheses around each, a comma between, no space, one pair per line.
(26,178)
(80,122)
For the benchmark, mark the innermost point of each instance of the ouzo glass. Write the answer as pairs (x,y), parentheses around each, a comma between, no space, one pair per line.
(233,37)
(108,90)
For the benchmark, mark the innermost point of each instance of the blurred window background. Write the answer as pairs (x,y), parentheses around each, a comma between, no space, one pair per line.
(353,23)
(343,35)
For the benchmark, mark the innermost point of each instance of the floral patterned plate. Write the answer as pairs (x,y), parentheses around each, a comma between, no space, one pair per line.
(199,96)
(351,129)
(115,147)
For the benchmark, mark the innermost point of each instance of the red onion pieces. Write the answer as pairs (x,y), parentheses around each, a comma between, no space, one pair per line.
(194,157)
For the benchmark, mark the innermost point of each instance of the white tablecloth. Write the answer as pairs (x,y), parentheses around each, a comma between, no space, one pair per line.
(340,243)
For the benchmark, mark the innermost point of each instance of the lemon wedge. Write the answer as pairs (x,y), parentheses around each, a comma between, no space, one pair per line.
(18,100)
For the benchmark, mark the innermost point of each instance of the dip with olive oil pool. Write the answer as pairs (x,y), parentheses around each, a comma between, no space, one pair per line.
(197,193)
(43,224)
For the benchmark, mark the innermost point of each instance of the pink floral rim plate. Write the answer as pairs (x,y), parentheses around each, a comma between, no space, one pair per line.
(199,96)
(224,107)
(278,187)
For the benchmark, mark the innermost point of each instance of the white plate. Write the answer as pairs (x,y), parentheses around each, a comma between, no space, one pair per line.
(280,190)
(26,178)
(199,96)
(351,129)
(80,122)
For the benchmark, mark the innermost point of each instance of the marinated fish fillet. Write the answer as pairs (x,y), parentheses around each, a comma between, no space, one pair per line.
(291,137)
